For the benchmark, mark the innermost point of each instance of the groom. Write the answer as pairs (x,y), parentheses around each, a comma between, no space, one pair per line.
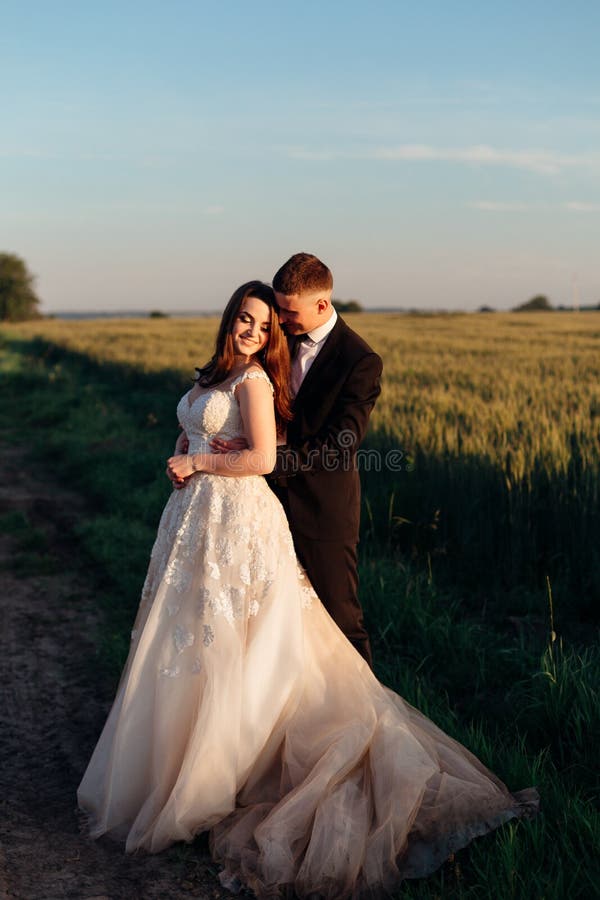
(335,382)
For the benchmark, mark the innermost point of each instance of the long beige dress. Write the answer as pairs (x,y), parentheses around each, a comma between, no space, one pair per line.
(244,710)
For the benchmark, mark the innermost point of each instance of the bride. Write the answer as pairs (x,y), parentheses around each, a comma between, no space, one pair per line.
(242,709)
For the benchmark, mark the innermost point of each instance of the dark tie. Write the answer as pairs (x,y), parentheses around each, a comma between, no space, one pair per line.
(295,341)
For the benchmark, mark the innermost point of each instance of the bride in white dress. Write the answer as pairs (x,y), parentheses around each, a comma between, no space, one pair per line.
(242,708)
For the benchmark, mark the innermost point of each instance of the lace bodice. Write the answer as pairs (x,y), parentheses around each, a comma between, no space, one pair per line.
(215,412)
(220,545)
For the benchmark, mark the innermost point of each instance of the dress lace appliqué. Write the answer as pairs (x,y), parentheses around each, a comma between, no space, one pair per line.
(215,557)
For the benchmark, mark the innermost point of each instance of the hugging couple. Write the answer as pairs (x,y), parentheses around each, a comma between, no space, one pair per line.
(247,707)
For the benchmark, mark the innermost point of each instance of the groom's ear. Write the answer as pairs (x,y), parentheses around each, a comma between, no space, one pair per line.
(324,302)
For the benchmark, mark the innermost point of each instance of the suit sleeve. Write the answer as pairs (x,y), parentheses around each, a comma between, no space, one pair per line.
(335,446)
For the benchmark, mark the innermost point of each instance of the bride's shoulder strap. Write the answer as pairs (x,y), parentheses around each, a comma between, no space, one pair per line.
(252,373)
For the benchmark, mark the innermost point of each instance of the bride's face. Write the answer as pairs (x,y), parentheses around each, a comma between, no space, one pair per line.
(251,328)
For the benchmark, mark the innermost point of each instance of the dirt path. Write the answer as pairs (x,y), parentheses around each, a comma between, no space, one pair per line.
(51,711)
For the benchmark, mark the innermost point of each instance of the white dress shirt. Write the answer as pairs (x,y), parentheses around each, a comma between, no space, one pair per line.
(307,350)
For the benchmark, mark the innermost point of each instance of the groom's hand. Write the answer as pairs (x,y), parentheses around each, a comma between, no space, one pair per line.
(217,445)
(177,483)
(181,446)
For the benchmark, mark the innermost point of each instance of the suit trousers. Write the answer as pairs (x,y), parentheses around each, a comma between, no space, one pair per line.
(332,567)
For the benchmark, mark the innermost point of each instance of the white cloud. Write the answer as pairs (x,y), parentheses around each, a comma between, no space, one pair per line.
(507,206)
(581,206)
(542,162)
(539,161)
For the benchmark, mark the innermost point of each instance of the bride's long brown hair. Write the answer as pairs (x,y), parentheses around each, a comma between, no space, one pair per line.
(274,357)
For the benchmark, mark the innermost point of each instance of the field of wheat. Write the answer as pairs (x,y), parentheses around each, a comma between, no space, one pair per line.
(497,417)
(480,568)
(520,390)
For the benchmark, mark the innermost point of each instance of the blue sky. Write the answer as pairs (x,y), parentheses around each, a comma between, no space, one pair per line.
(156,155)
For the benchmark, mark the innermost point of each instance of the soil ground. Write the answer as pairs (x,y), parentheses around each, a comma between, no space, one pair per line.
(54,704)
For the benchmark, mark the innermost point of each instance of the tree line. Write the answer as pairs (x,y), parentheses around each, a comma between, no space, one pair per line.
(18,300)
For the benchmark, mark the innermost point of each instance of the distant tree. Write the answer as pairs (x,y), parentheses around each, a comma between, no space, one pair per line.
(486,309)
(353,306)
(18,300)
(536,304)
(158,314)
(348,306)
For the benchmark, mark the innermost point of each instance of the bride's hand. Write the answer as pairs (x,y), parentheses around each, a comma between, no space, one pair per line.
(180,467)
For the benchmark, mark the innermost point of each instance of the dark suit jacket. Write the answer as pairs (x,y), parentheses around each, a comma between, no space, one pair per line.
(315,475)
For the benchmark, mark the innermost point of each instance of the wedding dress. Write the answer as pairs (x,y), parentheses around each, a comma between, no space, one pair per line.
(243,709)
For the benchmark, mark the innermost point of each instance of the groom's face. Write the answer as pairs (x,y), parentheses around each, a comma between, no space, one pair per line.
(299,313)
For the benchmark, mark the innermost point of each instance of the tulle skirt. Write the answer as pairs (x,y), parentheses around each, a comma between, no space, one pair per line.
(243,710)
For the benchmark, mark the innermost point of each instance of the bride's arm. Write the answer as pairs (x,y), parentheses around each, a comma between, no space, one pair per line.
(258,416)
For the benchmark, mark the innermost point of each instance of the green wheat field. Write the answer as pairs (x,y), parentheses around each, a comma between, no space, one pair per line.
(480,560)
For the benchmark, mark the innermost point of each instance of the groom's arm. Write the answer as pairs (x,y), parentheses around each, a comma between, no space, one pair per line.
(181,446)
(182,443)
(335,445)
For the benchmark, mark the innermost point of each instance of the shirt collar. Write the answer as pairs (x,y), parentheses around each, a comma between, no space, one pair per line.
(320,333)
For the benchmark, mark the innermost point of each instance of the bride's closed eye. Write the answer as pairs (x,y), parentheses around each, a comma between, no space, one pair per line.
(248,320)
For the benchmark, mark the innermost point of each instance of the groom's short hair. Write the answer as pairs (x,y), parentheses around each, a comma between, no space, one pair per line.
(302,272)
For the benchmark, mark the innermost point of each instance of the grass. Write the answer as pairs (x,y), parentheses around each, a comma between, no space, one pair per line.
(30,556)
(479,560)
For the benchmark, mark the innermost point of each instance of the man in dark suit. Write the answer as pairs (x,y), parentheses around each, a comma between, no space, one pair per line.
(335,380)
